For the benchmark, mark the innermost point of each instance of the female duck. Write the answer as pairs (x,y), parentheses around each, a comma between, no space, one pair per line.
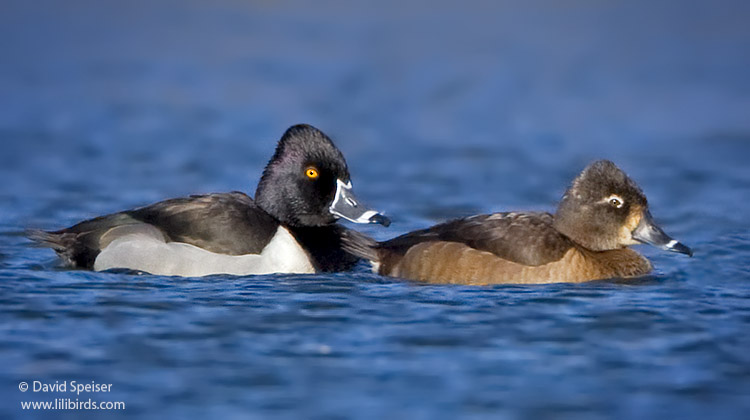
(600,215)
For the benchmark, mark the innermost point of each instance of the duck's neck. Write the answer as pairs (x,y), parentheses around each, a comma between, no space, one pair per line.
(617,262)
(323,244)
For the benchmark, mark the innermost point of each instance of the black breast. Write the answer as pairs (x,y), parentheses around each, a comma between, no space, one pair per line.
(324,246)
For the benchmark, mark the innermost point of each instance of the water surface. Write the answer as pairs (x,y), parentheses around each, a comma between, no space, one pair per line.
(442,110)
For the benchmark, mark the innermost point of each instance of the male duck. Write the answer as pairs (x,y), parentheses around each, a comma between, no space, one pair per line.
(288,228)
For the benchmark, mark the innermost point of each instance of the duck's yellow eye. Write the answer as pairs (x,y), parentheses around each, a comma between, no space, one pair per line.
(312,173)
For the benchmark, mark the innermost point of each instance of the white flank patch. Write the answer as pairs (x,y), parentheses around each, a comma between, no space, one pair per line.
(148,252)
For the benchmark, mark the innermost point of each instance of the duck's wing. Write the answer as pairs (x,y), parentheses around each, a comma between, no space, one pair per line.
(224,223)
(528,239)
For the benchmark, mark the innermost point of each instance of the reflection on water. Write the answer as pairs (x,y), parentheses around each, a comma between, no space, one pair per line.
(442,111)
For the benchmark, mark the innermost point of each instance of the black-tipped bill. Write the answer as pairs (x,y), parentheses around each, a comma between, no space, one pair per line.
(648,232)
(346,205)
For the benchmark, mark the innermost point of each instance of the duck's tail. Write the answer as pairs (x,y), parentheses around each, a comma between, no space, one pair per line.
(66,244)
(42,238)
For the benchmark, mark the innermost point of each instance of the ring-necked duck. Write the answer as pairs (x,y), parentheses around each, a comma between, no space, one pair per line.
(600,215)
(288,228)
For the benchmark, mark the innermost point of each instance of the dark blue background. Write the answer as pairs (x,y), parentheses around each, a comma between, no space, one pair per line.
(443,109)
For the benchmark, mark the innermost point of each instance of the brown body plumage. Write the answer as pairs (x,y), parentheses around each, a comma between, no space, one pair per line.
(601,214)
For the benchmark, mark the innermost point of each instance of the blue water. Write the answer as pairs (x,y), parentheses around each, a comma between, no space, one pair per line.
(442,110)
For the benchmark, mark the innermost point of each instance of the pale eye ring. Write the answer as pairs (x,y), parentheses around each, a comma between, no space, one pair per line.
(615,201)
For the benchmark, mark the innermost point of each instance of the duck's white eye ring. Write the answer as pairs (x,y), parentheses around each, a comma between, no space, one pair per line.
(615,201)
